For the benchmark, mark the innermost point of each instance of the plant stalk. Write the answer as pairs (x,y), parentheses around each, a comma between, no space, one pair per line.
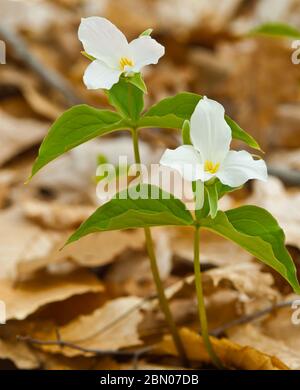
(163,301)
(201,304)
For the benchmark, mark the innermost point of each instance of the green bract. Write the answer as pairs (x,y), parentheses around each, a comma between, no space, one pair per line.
(127,99)
(138,82)
(185,133)
(212,194)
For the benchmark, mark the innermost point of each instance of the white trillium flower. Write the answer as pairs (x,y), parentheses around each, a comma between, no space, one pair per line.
(210,156)
(113,54)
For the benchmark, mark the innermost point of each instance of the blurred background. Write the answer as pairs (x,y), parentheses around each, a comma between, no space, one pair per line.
(208,52)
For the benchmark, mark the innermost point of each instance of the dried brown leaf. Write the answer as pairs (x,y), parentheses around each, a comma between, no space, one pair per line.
(231,354)
(24,298)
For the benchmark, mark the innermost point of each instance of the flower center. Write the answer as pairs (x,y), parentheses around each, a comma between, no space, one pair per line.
(124,61)
(210,167)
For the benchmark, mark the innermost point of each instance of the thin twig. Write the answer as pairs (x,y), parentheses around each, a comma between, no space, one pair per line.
(249,318)
(49,76)
(288,176)
(94,351)
(121,317)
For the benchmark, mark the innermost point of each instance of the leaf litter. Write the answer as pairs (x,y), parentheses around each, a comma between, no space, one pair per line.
(98,293)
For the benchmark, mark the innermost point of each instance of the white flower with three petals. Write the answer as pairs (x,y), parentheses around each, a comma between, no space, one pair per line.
(210,155)
(113,54)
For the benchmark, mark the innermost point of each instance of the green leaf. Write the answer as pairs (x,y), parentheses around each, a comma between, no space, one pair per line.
(127,99)
(240,134)
(173,111)
(257,231)
(276,29)
(212,199)
(185,133)
(138,82)
(146,33)
(74,127)
(145,210)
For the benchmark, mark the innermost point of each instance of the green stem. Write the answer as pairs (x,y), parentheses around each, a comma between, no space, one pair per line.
(201,305)
(156,277)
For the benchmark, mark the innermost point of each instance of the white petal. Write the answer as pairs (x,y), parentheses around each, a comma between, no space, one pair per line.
(145,51)
(186,160)
(210,133)
(103,40)
(99,75)
(239,167)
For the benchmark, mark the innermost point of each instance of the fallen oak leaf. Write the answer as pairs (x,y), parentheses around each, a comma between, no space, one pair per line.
(232,355)
(257,337)
(111,327)
(27,83)
(215,249)
(55,215)
(17,135)
(19,353)
(101,248)
(24,298)
(246,278)
(276,334)
(24,246)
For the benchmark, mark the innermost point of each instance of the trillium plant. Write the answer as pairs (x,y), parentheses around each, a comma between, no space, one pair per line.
(204,159)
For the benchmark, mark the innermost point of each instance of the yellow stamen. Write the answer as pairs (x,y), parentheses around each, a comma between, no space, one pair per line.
(124,61)
(210,167)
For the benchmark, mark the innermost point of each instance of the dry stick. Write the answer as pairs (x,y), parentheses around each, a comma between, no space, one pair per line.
(136,354)
(250,317)
(121,317)
(99,352)
(49,76)
(288,176)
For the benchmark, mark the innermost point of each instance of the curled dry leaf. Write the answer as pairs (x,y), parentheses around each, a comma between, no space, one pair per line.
(19,353)
(276,335)
(24,298)
(111,327)
(214,249)
(56,215)
(101,248)
(232,355)
(8,178)
(247,278)
(131,274)
(18,135)
(24,247)
(254,336)
(28,85)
